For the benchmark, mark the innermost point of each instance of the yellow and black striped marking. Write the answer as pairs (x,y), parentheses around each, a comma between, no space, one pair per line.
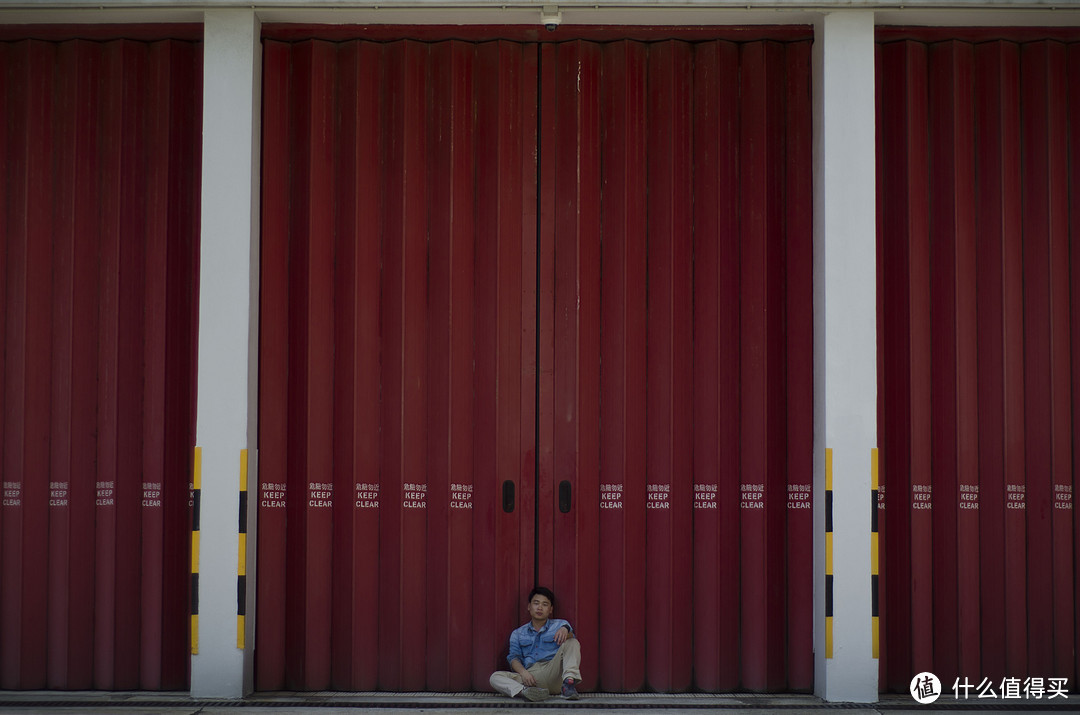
(241,564)
(874,573)
(828,553)
(196,502)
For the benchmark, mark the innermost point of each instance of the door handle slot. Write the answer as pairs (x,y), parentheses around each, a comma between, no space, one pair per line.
(508,496)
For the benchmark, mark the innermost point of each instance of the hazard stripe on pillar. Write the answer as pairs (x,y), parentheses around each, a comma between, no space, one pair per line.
(241,549)
(196,496)
(874,572)
(828,555)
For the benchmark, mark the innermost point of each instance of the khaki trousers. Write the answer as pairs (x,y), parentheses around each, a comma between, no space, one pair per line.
(548,673)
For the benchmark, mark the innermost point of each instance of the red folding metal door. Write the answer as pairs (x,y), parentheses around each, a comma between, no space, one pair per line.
(397,362)
(565,284)
(978,142)
(99,169)
(676,375)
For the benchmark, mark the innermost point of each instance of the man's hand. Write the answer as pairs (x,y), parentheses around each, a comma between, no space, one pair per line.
(527,678)
(562,635)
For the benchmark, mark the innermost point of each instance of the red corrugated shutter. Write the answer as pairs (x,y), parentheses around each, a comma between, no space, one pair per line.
(978,357)
(100,157)
(397,362)
(484,260)
(675,239)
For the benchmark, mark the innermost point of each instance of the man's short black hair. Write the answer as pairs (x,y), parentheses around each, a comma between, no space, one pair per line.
(543,591)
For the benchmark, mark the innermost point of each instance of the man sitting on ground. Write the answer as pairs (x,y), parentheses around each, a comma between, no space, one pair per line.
(544,654)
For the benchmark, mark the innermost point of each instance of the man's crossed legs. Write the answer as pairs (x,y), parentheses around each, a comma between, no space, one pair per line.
(550,675)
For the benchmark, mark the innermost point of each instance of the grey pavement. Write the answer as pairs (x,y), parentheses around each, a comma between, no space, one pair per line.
(138,703)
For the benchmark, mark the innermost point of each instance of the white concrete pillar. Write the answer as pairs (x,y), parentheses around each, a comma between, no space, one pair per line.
(228,337)
(845,342)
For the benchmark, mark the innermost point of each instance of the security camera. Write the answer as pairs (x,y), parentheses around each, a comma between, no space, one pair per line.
(550,17)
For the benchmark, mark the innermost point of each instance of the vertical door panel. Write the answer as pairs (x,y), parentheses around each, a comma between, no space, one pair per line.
(9,567)
(62,392)
(623,355)
(575,467)
(450,445)
(105,568)
(953,230)
(764,453)
(403,522)
(1044,175)
(906,242)
(990,225)
(946,233)
(1037,387)
(1073,127)
(722,199)
(357,374)
(130,334)
(756,356)
(548,162)
(84,326)
(669,406)
(920,495)
(100,156)
(404,371)
(892,356)
(989,351)
(155,277)
(504,445)
(35,226)
(1012,317)
(307,639)
(273,370)
(716,367)
(799,264)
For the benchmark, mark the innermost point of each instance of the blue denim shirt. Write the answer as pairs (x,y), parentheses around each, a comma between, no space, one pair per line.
(531,646)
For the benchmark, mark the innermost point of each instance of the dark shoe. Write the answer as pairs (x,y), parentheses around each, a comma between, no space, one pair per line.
(569,691)
(535,694)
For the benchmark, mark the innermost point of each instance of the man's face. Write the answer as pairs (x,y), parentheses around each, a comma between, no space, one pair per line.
(540,608)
